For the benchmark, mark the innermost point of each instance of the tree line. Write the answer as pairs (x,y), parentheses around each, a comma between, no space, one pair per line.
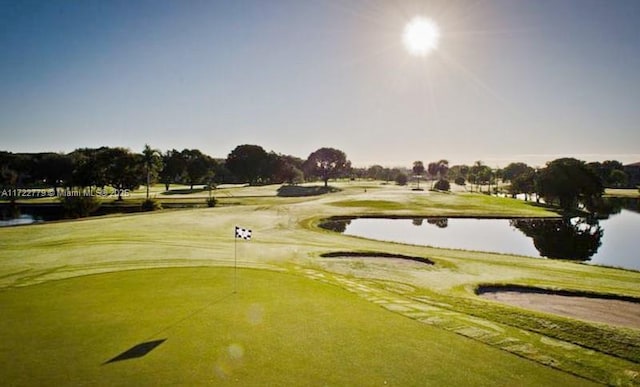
(123,169)
(565,181)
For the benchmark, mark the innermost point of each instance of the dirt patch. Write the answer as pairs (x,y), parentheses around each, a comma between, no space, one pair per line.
(375,254)
(603,308)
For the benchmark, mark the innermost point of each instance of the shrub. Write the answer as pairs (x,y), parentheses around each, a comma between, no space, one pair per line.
(212,201)
(151,205)
(442,185)
(459,180)
(402,179)
(79,206)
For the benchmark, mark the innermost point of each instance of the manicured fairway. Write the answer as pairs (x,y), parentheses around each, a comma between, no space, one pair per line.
(278,329)
(75,295)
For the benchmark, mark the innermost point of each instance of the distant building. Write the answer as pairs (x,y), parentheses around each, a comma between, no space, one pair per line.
(633,173)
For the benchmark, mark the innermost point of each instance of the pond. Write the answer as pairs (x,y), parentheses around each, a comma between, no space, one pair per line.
(611,241)
(22,219)
(26,214)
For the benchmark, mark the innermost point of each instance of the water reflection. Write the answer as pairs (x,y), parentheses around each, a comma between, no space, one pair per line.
(579,239)
(576,239)
(337,225)
(439,222)
(613,206)
(19,220)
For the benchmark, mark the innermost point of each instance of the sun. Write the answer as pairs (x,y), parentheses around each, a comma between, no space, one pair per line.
(421,36)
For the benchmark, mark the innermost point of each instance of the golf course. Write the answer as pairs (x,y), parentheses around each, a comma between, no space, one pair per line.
(173,297)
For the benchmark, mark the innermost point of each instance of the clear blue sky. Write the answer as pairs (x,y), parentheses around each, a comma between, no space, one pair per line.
(526,80)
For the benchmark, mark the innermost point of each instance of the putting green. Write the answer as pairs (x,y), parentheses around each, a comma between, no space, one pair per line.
(277,329)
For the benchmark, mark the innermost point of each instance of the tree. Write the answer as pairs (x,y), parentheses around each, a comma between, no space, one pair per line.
(443,168)
(524,183)
(401,178)
(12,167)
(611,173)
(617,179)
(418,170)
(88,169)
(173,169)
(432,169)
(152,162)
(292,174)
(569,182)
(459,174)
(8,178)
(439,171)
(222,173)
(284,169)
(513,170)
(250,163)
(376,172)
(521,176)
(327,163)
(199,167)
(480,174)
(357,173)
(287,172)
(442,185)
(54,169)
(122,169)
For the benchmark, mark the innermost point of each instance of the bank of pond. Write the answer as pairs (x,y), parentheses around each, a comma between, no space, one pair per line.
(609,241)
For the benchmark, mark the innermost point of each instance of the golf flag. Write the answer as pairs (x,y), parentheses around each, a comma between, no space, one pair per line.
(243,233)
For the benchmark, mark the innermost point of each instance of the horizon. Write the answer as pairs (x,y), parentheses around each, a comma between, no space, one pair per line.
(507,81)
(536,161)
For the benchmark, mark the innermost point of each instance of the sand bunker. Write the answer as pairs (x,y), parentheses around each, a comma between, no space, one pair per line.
(608,309)
(375,254)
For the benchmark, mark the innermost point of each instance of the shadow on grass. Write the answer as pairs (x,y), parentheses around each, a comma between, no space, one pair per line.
(137,351)
(144,348)
(185,191)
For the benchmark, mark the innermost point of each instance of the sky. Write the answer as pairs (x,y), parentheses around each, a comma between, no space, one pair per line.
(511,80)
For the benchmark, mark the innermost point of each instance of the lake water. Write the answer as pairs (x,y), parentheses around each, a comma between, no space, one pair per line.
(22,219)
(611,242)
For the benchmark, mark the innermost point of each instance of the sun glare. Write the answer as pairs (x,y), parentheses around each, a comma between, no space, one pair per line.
(421,36)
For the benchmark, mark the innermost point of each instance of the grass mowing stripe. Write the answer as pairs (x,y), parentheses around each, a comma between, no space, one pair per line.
(285,236)
(447,314)
(278,329)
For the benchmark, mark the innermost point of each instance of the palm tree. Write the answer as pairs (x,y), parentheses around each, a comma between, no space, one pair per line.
(418,170)
(437,170)
(443,168)
(152,161)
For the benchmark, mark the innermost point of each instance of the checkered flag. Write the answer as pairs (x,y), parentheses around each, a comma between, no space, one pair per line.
(243,233)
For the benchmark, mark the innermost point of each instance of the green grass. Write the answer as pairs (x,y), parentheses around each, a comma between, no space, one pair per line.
(622,192)
(78,319)
(445,204)
(622,343)
(278,329)
(372,204)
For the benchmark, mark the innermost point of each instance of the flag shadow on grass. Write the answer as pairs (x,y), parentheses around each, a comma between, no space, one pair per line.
(136,351)
(142,349)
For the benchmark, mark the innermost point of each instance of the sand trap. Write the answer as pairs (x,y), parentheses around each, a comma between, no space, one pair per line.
(375,254)
(619,311)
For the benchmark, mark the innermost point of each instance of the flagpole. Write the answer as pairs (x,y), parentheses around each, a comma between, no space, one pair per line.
(235,259)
